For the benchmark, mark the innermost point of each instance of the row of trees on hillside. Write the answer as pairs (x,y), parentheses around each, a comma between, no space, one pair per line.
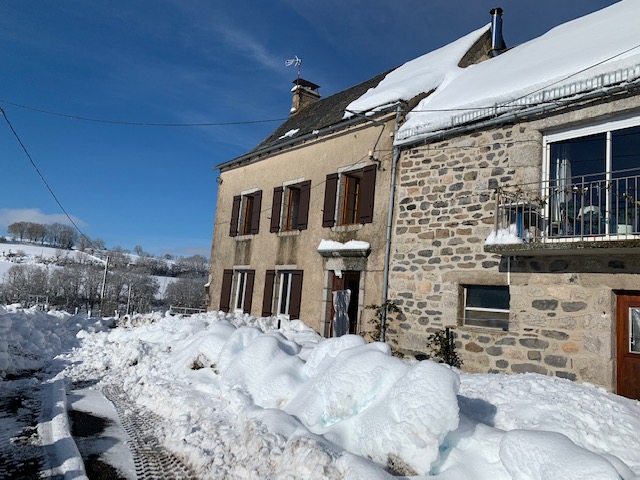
(55,235)
(129,287)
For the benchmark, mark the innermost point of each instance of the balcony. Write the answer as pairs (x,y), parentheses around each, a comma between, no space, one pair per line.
(594,214)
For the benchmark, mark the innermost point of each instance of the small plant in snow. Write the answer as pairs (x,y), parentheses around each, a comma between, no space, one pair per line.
(443,349)
(379,312)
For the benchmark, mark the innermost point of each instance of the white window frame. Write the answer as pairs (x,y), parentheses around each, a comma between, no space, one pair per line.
(606,127)
(281,292)
(240,290)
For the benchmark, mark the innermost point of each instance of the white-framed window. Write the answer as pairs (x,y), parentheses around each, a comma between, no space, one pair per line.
(242,290)
(285,280)
(593,176)
(486,306)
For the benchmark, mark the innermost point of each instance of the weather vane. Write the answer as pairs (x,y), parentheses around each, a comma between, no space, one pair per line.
(295,61)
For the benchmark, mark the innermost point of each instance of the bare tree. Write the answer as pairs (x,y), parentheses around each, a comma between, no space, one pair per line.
(18,230)
(22,280)
(186,292)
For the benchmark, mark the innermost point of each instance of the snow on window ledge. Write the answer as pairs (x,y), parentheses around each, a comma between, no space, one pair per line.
(504,236)
(352,248)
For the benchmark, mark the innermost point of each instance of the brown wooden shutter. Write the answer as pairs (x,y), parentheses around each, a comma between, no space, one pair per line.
(367,194)
(225,294)
(330,190)
(248,291)
(267,299)
(235,215)
(303,213)
(296,294)
(255,214)
(275,209)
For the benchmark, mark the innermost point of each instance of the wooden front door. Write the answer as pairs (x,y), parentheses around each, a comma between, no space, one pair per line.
(628,346)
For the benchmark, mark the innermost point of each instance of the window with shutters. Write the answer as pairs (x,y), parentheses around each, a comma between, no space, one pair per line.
(282,293)
(243,291)
(245,214)
(290,208)
(349,197)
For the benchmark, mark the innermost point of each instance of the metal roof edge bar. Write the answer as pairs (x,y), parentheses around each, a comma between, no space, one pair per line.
(519,115)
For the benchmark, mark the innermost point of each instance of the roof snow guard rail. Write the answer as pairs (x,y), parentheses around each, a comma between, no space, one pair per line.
(623,75)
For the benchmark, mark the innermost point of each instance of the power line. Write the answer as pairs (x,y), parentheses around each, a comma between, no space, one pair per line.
(15,134)
(137,124)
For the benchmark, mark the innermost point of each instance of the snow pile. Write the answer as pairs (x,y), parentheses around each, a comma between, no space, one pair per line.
(244,400)
(504,236)
(30,338)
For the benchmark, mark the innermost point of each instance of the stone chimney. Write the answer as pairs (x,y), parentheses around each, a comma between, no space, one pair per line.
(304,94)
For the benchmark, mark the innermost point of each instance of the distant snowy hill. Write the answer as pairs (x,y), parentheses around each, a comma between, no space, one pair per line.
(14,253)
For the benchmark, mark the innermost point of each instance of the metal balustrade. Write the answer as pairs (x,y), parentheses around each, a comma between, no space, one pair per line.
(602,206)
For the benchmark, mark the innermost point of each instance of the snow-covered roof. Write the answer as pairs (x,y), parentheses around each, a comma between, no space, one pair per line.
(418,76)
(583,55)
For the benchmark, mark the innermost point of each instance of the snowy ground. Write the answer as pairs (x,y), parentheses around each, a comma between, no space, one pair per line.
(231,397)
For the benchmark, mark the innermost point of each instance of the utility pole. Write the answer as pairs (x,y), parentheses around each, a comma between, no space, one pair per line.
(104,284)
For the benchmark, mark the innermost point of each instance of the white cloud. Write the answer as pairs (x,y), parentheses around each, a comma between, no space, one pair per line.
(12,215)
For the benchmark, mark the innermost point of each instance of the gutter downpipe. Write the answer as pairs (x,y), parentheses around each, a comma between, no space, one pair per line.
(387,245)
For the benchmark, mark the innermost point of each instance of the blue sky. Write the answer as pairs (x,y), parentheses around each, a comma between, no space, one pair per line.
(190,61)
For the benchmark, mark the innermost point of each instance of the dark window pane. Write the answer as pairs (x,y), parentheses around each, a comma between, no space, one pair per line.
(482,296)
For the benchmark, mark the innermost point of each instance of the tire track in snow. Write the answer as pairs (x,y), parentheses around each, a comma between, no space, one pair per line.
(152,461)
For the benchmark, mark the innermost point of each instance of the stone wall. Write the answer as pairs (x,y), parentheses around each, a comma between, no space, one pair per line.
(562,309)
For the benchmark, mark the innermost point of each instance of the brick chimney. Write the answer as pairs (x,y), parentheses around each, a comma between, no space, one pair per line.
(304,94)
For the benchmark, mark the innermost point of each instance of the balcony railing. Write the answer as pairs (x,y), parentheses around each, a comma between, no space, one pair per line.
(587,208)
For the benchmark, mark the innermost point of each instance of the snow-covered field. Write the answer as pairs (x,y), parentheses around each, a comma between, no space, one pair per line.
(242,400)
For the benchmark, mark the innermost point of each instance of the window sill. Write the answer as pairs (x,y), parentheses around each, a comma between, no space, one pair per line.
(289,233)
(241,238)
(347,228)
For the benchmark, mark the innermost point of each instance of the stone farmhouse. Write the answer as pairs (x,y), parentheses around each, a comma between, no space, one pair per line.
(489,190)
(517,221)
(303,219)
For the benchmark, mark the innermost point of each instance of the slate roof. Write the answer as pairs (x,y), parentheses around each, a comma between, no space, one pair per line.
(324,113)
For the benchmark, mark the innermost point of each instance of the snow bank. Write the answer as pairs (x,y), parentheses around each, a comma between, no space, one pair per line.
(29,338)
(244,401)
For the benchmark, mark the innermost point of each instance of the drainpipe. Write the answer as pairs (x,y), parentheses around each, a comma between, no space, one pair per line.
(387,246)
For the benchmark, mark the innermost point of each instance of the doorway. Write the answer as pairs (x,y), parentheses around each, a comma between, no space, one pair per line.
(348,280)
(628,346)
